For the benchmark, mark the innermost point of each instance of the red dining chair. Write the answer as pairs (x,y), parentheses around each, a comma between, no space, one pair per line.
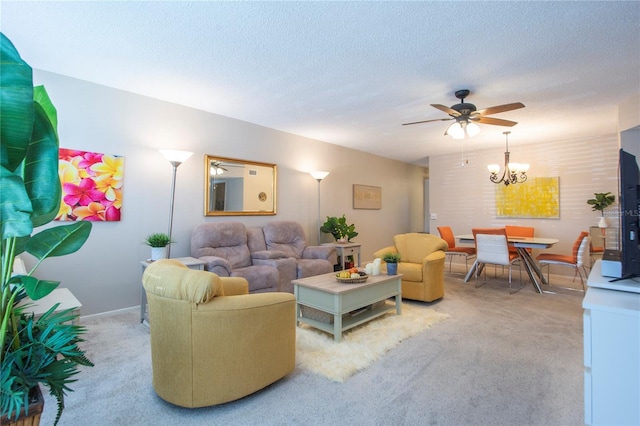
(577,258)
(467,252)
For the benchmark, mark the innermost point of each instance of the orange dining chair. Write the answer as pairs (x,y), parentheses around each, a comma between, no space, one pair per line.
(495,231)
(467,252)
(577,258)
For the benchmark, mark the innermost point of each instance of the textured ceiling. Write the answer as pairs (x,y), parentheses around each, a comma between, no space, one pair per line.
(350,73)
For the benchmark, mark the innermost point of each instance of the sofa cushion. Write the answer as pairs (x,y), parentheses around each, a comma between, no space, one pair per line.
(286,236)
(261,278)
(227,240)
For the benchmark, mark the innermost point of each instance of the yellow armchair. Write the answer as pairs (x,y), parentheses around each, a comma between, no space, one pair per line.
(421,264)
(211,341)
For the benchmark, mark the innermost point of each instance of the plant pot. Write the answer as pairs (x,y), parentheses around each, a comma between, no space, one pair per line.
(36,405)
(342,240)
(392,268)
(158,253)
(603,222)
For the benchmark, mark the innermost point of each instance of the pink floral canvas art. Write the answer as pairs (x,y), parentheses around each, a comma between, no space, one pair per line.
(91,185)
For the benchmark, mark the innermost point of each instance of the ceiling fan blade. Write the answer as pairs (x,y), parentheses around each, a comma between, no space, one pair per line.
(427,121)
(446,109)
(494,121)
(499,108)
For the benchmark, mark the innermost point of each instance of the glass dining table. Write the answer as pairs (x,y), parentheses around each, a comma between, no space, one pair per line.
(521,244)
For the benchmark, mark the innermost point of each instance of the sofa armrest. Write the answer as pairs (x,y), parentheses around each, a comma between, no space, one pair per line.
(380,253)
(234,286)
(218,265)
(268,254)
(321,252)
(434,257)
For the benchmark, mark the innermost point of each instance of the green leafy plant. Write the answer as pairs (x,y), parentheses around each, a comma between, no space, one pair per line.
(158,239)
(44,350)
(601,201)
(337,226)
(391,257)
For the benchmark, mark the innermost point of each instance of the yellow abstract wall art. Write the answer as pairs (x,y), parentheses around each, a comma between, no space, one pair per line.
(535,198)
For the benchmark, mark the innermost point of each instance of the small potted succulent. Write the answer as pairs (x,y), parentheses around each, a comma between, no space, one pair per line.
(391,260)
(338,227)
(601,201)
(158,242)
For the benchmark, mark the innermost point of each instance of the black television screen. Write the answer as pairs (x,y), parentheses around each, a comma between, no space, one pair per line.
(629,180)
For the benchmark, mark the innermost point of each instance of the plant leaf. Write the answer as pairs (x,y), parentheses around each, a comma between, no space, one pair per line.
(15,206)
(41,170)
(16,105)
(59,241)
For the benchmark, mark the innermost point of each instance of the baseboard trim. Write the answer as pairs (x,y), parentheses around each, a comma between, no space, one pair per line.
(111,313)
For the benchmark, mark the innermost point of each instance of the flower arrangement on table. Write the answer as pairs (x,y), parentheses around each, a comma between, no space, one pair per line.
(91,186)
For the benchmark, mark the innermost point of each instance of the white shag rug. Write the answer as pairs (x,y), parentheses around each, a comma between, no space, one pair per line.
(360,346)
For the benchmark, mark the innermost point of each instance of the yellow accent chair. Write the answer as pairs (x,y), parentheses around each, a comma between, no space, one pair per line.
(211,341)
(422,259)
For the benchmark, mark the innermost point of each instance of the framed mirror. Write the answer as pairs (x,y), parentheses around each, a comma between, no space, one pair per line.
(239,187)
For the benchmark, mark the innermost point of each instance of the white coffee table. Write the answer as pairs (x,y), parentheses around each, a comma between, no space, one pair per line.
(324,293)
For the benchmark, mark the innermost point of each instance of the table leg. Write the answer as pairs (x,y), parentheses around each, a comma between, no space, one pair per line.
(337,327)
(471,271)
(532,269)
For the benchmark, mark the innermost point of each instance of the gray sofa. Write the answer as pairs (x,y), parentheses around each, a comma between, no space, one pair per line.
(269,258)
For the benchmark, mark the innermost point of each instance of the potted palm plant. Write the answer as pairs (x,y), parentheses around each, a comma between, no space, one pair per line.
(42,351)
(601,201)
(158,242)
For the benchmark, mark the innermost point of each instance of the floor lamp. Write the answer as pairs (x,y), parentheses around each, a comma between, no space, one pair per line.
(319,175)
(175,158)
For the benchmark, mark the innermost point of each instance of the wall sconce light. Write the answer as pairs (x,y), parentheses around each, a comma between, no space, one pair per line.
(319,175)
(175,158)
(513,172)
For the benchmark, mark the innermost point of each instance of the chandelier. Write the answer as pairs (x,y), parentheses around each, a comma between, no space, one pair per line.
(513,172)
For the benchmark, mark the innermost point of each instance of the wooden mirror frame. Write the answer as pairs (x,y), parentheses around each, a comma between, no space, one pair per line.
(238,198)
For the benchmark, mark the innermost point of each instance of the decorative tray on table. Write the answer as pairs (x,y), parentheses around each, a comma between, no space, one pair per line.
(362,278)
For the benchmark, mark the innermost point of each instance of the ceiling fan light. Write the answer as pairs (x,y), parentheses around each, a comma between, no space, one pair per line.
(456,131)
(472,129)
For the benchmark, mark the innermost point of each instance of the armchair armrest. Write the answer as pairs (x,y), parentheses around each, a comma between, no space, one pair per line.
(389,249)
(268,254)
(218,265)
(234,286)
(320,252)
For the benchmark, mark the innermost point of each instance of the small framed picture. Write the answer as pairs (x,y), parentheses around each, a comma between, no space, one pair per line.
(367,197)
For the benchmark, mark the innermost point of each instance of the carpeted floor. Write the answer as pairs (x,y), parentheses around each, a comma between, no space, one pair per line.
(499,359)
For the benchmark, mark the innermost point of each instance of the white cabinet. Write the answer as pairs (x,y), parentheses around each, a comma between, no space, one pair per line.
(611,355)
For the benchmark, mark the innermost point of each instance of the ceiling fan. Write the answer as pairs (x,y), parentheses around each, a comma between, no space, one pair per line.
(466,115)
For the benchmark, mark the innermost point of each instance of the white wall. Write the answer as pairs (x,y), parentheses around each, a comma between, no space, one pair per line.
(464,198)
(105,274)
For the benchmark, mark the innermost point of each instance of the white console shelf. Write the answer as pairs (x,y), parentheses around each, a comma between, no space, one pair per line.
(611,353)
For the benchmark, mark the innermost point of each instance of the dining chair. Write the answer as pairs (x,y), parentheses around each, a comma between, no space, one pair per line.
(495,231)
(494,249)
(577,258)
(467,252)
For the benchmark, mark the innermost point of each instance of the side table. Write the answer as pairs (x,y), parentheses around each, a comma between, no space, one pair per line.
(189,262)
(347,249)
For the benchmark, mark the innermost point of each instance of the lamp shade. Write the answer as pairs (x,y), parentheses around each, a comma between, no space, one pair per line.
(319,175)
(173,155)
(456,131)
(472,129)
